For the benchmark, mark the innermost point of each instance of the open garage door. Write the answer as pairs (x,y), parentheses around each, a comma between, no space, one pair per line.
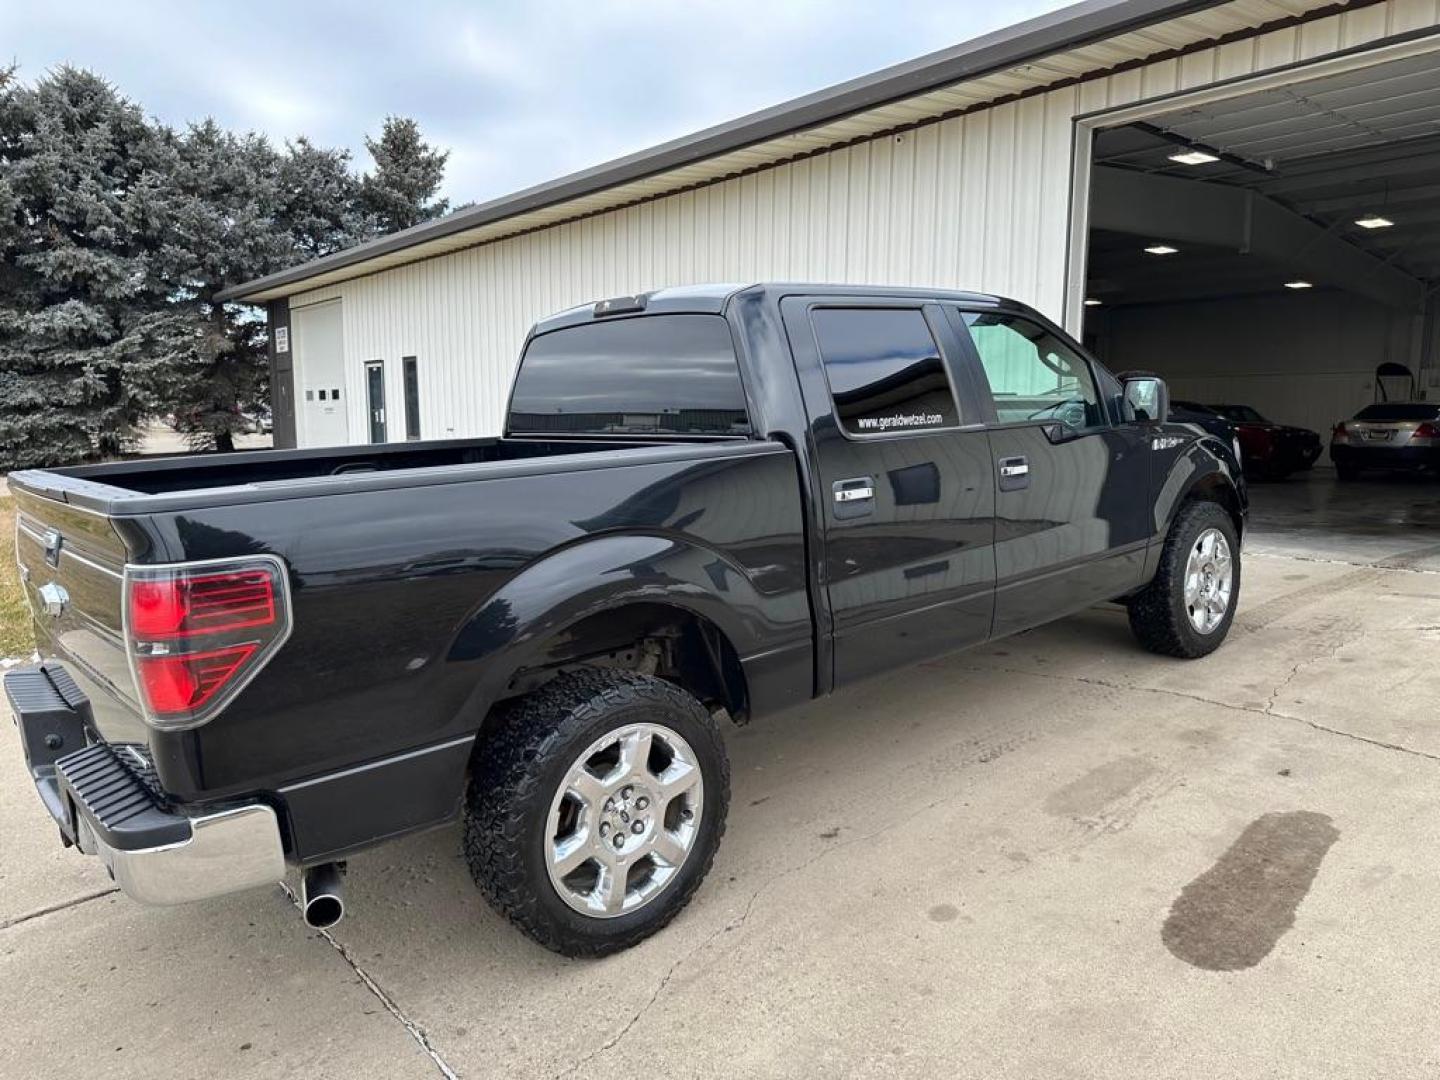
(1275,254)
(1273,250)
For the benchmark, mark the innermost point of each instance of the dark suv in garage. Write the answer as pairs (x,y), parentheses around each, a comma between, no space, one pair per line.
(1387,435)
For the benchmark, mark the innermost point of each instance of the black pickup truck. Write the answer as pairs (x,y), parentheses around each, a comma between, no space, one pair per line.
(709,503)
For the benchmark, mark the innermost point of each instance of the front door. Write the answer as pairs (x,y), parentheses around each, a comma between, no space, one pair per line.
(375,399)
(1072,486)
(903,479)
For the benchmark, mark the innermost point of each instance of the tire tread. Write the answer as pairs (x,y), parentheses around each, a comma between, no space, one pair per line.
(1156,618)
(505,789)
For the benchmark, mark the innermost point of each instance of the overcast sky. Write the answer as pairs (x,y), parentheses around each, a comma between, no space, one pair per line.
(519,92)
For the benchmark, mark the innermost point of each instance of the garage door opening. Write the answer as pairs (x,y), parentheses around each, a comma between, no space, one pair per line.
(1274,250)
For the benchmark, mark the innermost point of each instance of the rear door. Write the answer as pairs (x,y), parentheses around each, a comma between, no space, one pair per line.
(1072,486)
(904,477)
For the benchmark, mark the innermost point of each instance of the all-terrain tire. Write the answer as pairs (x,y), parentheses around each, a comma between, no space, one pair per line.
(1158,615)
(518,772)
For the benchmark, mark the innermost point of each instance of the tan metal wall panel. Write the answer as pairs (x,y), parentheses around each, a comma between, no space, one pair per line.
(979,201)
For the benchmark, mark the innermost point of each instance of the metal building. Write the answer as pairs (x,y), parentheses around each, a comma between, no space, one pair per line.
(1188,184)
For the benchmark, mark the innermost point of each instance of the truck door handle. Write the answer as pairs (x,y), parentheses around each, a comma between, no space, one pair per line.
(1014,473)
(854,497)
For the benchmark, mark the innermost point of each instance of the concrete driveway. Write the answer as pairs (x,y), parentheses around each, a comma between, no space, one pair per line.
(1382,519)
(1054,857)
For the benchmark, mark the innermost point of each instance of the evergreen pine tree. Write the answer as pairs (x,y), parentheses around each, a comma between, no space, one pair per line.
(400,191)
(74,287)
(319,207)
(216,215)
(116,234)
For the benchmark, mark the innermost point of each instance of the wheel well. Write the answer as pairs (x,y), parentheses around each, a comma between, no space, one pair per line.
(672,643)
(1221,493)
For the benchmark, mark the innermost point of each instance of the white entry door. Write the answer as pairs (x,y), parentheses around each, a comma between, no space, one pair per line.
(320,409)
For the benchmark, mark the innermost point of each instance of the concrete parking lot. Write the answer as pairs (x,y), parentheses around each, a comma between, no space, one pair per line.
(1057,856)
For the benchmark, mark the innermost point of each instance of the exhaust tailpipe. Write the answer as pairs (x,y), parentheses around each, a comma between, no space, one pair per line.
(322,895)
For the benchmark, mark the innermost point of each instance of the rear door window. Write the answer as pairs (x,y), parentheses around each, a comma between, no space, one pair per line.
(651,375)
(1033,373)
(885,370)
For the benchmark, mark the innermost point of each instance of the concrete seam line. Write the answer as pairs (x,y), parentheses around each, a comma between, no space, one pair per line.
(1380,743)
(51,909)
(416,1032)
(1380,565)
(736,923)
(1300,665)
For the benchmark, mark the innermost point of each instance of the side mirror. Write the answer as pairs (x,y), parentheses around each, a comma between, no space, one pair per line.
(1146,398)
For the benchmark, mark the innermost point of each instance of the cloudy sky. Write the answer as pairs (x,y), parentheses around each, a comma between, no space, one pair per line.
(519,92)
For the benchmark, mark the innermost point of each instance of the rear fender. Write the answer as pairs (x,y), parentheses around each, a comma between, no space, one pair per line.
(513,628)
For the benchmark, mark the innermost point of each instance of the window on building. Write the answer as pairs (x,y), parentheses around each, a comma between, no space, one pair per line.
(885,370)
(1033,373)
(412,398)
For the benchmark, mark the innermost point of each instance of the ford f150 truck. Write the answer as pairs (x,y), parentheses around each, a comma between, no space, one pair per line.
(709,503)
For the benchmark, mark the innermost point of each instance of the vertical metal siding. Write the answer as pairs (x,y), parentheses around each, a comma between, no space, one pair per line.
(980,201)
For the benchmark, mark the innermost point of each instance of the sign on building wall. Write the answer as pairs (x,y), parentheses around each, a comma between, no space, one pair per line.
(282,339)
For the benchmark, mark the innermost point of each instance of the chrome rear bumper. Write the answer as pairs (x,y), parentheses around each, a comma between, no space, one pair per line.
(108,804)
(227,852)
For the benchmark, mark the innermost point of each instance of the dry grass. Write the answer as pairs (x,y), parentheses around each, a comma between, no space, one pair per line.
(16,640)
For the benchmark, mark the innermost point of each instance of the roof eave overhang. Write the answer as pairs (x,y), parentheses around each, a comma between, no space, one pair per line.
(1068,28)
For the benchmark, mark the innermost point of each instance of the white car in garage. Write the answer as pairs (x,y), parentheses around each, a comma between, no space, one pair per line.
(1387,435)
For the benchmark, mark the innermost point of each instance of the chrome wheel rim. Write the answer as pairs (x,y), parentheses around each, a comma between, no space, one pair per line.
(1209,578)
(624,820)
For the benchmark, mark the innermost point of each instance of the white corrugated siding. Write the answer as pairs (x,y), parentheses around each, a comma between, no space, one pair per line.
(980,201)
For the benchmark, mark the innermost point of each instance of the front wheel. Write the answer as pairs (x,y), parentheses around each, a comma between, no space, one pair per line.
(595,811)
(1187,608)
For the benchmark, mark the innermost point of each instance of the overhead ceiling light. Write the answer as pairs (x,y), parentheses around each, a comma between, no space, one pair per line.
(1194,157)
(1092,302)
(1298,285)
(1161,249)
(1373,221)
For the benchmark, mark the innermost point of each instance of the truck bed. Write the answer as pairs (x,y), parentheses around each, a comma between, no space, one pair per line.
(398,558)
(112,487)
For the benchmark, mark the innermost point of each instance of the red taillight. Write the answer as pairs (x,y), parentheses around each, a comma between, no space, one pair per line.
(195,633)
(182,684)
(1427,430)
(208,603)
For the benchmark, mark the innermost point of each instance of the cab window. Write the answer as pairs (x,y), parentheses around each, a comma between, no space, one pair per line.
(885,370)
(1033,373)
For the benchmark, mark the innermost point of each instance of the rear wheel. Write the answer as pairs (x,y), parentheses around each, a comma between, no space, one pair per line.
(596,810)
(1187,608)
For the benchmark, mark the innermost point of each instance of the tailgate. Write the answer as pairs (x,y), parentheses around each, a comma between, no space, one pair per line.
(71,565)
